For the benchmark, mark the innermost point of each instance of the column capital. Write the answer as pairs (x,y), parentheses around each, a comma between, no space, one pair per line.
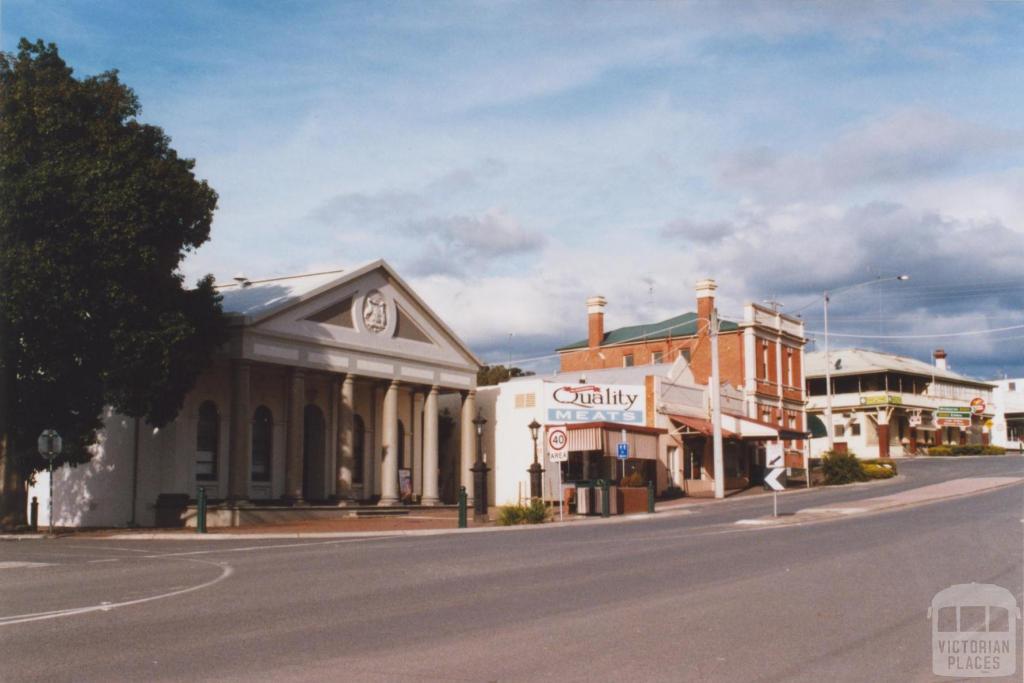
(395,384)
(434,390)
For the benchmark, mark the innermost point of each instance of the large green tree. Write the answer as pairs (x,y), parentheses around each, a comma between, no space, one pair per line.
(96,213)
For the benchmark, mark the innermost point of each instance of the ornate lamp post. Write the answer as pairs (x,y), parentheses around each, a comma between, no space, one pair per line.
(480,470)
(535,469)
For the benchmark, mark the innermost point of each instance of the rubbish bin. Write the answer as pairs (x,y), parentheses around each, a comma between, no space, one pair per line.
(585,499)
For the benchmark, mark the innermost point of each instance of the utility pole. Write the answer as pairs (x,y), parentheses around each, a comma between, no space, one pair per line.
(716,410)
(828,383)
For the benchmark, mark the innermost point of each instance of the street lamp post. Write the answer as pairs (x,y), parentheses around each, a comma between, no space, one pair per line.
(828,359)
(50,445)
(535,469)
(480,470)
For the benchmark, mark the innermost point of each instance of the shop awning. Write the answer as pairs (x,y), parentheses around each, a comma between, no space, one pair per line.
(698,426)
(605,437)
(734,427)
(749,428)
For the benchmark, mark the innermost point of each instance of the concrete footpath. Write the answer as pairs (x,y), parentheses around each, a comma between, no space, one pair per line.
(924,494)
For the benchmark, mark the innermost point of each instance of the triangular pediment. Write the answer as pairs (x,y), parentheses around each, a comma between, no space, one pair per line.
(368,311)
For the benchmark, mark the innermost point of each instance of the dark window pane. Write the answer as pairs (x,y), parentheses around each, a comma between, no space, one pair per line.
(207,431)
(262,443)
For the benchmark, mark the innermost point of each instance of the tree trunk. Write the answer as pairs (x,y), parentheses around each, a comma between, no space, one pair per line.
(13,508)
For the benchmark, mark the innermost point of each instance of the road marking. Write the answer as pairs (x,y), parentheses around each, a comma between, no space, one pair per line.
(269,547)
(112,559)
(105,606)
(23,565)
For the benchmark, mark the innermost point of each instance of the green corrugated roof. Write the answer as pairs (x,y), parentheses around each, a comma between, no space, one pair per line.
(684,325)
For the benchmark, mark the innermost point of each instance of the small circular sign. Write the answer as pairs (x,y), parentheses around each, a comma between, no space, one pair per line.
(978,405)
(558,439)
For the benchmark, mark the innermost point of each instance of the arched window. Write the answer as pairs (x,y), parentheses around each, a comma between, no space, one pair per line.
(358,448)
(207,436)
(262,443)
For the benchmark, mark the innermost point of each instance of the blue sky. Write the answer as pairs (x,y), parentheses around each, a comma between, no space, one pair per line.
(513,158)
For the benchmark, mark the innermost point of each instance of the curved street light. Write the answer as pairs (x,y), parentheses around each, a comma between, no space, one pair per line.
(828,360)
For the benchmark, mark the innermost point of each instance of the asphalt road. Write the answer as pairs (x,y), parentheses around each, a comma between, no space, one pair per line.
(677,597)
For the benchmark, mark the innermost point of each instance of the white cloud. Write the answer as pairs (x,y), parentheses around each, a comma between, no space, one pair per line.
(905,146)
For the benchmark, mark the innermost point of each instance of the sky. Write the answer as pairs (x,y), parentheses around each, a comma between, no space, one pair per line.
(510,159)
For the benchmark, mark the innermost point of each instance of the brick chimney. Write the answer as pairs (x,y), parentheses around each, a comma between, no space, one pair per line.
(940,359)
(705,304)
(595,320)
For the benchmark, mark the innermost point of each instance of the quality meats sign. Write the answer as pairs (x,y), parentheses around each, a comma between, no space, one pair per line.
(595,403)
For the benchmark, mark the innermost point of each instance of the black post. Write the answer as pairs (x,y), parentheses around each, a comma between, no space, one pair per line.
(536,470)
(201,511)
(605,512)
(33,518)
(536,479)
(462,507)
(650,497)
(480,470)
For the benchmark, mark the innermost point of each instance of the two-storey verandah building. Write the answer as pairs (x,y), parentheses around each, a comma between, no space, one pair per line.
(886,405)
(326,393)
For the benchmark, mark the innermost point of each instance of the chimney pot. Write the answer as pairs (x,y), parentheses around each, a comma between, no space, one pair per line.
(705,304)
(595,320)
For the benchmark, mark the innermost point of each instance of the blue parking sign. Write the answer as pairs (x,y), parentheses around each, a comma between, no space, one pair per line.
(623,451)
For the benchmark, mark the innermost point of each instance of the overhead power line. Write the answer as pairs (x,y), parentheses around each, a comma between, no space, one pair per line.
(944,335)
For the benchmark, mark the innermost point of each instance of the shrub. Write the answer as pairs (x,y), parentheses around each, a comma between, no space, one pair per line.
(535,512)
(672,492)
(971,449)
(884,462)
(876,471)
(841,468)
(633,479)
(509,515)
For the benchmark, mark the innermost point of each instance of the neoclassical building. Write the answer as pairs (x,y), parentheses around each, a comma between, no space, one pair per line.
(326,393)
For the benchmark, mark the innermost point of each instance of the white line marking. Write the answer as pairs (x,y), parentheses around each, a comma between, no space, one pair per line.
(226,571)
(267,547)
(23,565)
(112,559)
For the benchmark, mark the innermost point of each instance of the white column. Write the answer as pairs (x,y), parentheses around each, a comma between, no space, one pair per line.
(467,442)
(389,452)
(430,472)
(417,443)
(346,436)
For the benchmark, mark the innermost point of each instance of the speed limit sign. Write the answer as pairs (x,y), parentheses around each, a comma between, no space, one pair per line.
(558,443)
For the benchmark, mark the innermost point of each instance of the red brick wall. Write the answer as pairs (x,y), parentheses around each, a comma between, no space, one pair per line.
(730,359)
(611,356)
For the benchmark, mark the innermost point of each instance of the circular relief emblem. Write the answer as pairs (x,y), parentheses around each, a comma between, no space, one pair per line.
(375,312)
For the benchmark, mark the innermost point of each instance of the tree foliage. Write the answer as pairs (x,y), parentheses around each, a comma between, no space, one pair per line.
(97,212)
(495,374)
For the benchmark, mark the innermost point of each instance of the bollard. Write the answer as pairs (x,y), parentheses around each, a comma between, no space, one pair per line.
(462,507)
(650,497)
(201,511)
(604,499)
(33,518)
